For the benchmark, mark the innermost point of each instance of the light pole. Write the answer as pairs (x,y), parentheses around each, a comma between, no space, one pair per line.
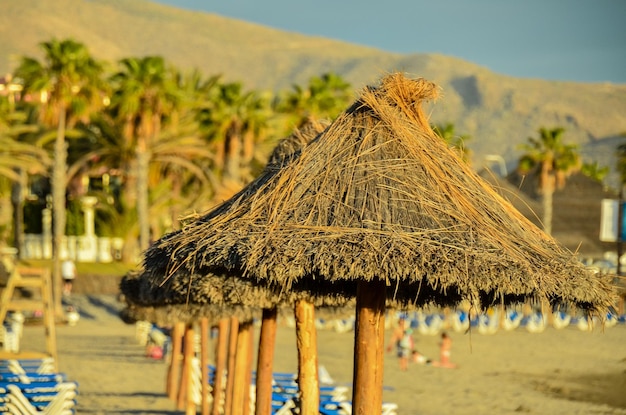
(620,230)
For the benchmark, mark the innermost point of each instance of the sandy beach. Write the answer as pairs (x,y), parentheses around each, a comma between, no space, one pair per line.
(564,371)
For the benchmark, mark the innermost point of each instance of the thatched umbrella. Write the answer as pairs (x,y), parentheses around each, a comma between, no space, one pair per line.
(202,293)
(145,302)
(154,286)
(378,207)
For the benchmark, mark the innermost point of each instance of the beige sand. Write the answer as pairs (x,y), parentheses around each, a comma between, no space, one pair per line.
(556,372)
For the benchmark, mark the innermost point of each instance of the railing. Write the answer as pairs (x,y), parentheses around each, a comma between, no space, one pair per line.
(77,248)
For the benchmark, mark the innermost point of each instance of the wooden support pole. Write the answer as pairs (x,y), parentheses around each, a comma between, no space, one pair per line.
(220,365)
(232,352)
(204,364)
(306,340)
(173,373)
(265,362)
(48,316)
(185,378)
(190,340)
(248,371)
(240,388)
(367,390)
(547,312)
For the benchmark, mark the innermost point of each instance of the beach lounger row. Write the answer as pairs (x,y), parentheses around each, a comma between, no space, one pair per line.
(286,404)
(23,366)
(37,397)
(25,389)
(334,399)
(343,325)
(489,323)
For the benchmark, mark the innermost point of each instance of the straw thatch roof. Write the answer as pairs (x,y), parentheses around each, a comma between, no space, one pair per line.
(192,291)
(146,302)
(167,311)
(378,196)
(290,146)
(186,296)
(167,316)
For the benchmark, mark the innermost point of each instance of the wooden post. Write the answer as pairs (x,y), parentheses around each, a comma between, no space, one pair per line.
(367,388)
(547,312)
(240,388)
(248,372)
(185,379)
(173,372)
(220,365)
(48,316)
(232,352)
(204,364)
(265,362)
(306,340)
(190,354)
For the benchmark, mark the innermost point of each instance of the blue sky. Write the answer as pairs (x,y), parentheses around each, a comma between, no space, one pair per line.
(567,40)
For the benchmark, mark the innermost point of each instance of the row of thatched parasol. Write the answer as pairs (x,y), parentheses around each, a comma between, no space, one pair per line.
(374,209)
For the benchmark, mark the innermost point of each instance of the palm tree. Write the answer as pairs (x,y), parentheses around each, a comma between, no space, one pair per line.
(18,159)
(178,156)
(144,100)
(553,161)
(234,122)
(68,81)
(16,155)
(323,98)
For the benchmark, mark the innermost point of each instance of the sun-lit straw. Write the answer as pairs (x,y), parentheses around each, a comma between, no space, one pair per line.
(376,196)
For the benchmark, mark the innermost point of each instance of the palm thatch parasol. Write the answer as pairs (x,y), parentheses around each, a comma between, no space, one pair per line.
(180,289)
(378,207)
(146,301)
(165,311)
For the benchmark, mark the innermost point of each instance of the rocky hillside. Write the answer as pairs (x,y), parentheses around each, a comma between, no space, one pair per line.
(497,111)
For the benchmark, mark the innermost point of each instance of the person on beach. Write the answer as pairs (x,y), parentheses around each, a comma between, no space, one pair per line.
(402,339)
(445,347)
(417,357)
(68,273)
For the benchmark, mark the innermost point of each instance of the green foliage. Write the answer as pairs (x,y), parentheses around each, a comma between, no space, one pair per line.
(114,219)
(595,171)
(75,223)
(457,142)
(69,77)
(323,98)
(17,155)
(33,217)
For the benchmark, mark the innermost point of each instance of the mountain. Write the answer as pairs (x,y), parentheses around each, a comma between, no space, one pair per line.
(498,112)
